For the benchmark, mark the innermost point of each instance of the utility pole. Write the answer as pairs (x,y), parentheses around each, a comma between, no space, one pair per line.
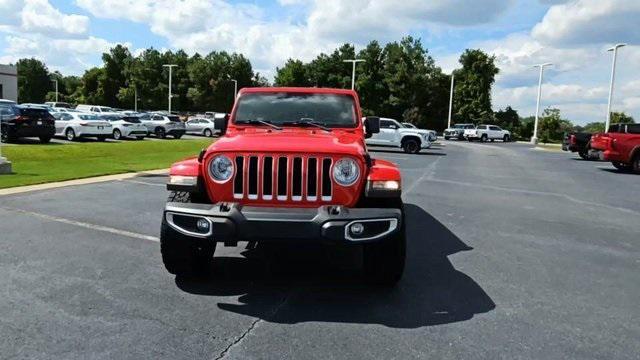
(534,138)
(353,71)
(235,89)
(56,82)
(451,100)
(613,77)
(135,98)
(170,66)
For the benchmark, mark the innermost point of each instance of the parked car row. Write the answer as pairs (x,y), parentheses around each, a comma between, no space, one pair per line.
(101,122)
(620,145)
(482,133)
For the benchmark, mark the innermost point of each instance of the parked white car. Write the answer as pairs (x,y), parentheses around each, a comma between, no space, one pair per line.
(95,109)
(74,125)
(201,126)
(162,125)
(126,126)
(487,132)
(457,131)
(393,133)
(433,135)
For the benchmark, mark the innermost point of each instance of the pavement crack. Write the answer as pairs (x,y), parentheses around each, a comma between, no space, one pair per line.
(252,326)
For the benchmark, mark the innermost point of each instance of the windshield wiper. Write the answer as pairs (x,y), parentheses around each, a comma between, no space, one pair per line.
(308,121)
(259,122)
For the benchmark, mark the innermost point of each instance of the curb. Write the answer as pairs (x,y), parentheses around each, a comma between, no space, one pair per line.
(85,181)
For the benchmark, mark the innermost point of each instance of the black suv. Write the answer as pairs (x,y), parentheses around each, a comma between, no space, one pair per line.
(20,121)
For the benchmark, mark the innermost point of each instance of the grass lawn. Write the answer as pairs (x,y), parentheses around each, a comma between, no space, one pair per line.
(37,164)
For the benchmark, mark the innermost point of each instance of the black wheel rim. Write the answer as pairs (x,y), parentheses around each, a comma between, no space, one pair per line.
(412,146)
(70,135)
(116,134)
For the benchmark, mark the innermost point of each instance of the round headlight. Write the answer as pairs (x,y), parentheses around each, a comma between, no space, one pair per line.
(221,168)
(346,171)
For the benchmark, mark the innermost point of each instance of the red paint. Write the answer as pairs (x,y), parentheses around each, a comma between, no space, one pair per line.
(261,141)
(617,147)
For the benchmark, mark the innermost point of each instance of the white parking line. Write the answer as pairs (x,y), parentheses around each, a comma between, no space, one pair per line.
(144,183)
(85,225)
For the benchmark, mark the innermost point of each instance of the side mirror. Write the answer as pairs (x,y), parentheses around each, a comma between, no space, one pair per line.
(221,121)
(372,126)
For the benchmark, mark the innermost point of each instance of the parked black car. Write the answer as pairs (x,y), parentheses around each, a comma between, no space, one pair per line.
(20,121)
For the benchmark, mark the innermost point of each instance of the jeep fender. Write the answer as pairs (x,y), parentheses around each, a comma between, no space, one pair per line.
(188,167)
(382,170)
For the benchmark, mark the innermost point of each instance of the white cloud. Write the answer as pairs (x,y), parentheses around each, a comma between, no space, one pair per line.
(38,16)
(590,21)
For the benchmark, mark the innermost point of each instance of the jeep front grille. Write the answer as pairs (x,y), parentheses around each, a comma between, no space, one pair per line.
(291,177)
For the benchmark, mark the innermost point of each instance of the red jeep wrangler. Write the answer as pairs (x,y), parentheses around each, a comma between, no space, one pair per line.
(292,165)
(622,147)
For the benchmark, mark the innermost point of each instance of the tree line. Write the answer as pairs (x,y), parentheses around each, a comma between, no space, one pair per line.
(398,80)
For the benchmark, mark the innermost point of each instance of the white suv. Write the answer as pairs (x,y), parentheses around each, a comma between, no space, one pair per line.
(392,133)
(487,132)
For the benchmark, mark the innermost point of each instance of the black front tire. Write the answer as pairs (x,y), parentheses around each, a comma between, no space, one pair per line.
(177,136)
(635,163)
(117,135)
(446,138)
(384,261)
(160,133)
(506,138)
(208,133)
(411,146)
(70,135)
(484,138)
(45,139)
(183,255)
(140,137)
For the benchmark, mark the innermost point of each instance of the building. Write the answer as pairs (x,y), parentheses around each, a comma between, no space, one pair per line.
(8,82)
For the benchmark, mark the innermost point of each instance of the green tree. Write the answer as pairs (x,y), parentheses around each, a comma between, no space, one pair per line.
(621,118)
(551,126)
(33,81)
(472,98)
(293,73)
(507,119)
(370,84)
(594,127)
(113,76)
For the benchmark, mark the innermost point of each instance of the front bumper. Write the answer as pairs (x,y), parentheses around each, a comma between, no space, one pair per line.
(231,222)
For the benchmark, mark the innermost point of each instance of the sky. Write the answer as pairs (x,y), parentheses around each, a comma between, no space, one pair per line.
(574,35)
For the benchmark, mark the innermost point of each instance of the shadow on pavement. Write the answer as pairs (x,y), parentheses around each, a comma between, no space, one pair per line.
(285,284)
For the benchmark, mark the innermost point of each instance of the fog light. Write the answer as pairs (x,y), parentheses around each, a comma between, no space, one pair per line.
(357,229)
(203,225)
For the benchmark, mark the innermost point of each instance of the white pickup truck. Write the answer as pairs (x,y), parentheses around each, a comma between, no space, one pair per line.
(486,133)
(393,133)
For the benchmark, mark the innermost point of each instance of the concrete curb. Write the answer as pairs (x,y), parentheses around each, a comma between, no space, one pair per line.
(91,180)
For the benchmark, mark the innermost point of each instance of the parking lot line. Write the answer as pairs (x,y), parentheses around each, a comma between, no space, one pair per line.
(84,225)
(144,183)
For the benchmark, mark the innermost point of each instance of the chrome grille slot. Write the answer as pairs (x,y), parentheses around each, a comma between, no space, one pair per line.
(326,179)
(267,178)
(296,180)
(238,181)
(312,179)
(253,177)
(282,178)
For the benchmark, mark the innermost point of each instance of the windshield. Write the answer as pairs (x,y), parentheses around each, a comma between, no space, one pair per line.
(88,117)
(279,108)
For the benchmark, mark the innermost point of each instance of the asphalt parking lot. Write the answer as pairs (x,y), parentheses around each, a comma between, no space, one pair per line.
(512,253)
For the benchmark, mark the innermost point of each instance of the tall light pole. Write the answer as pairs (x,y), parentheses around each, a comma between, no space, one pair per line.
(56,81)
(534,138)
(135,98)
(451,99)
(613,77)
(170,66)
(353,71)
(235,89)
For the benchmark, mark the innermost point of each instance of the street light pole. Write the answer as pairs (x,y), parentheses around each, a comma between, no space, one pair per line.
(235,89)
(170,66)
(56,81)
(135,98)
(451,99)
(613,77)
(534,138)
(353,71)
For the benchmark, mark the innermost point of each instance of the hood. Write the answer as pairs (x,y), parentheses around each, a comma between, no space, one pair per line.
(309,141)
(415,131)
